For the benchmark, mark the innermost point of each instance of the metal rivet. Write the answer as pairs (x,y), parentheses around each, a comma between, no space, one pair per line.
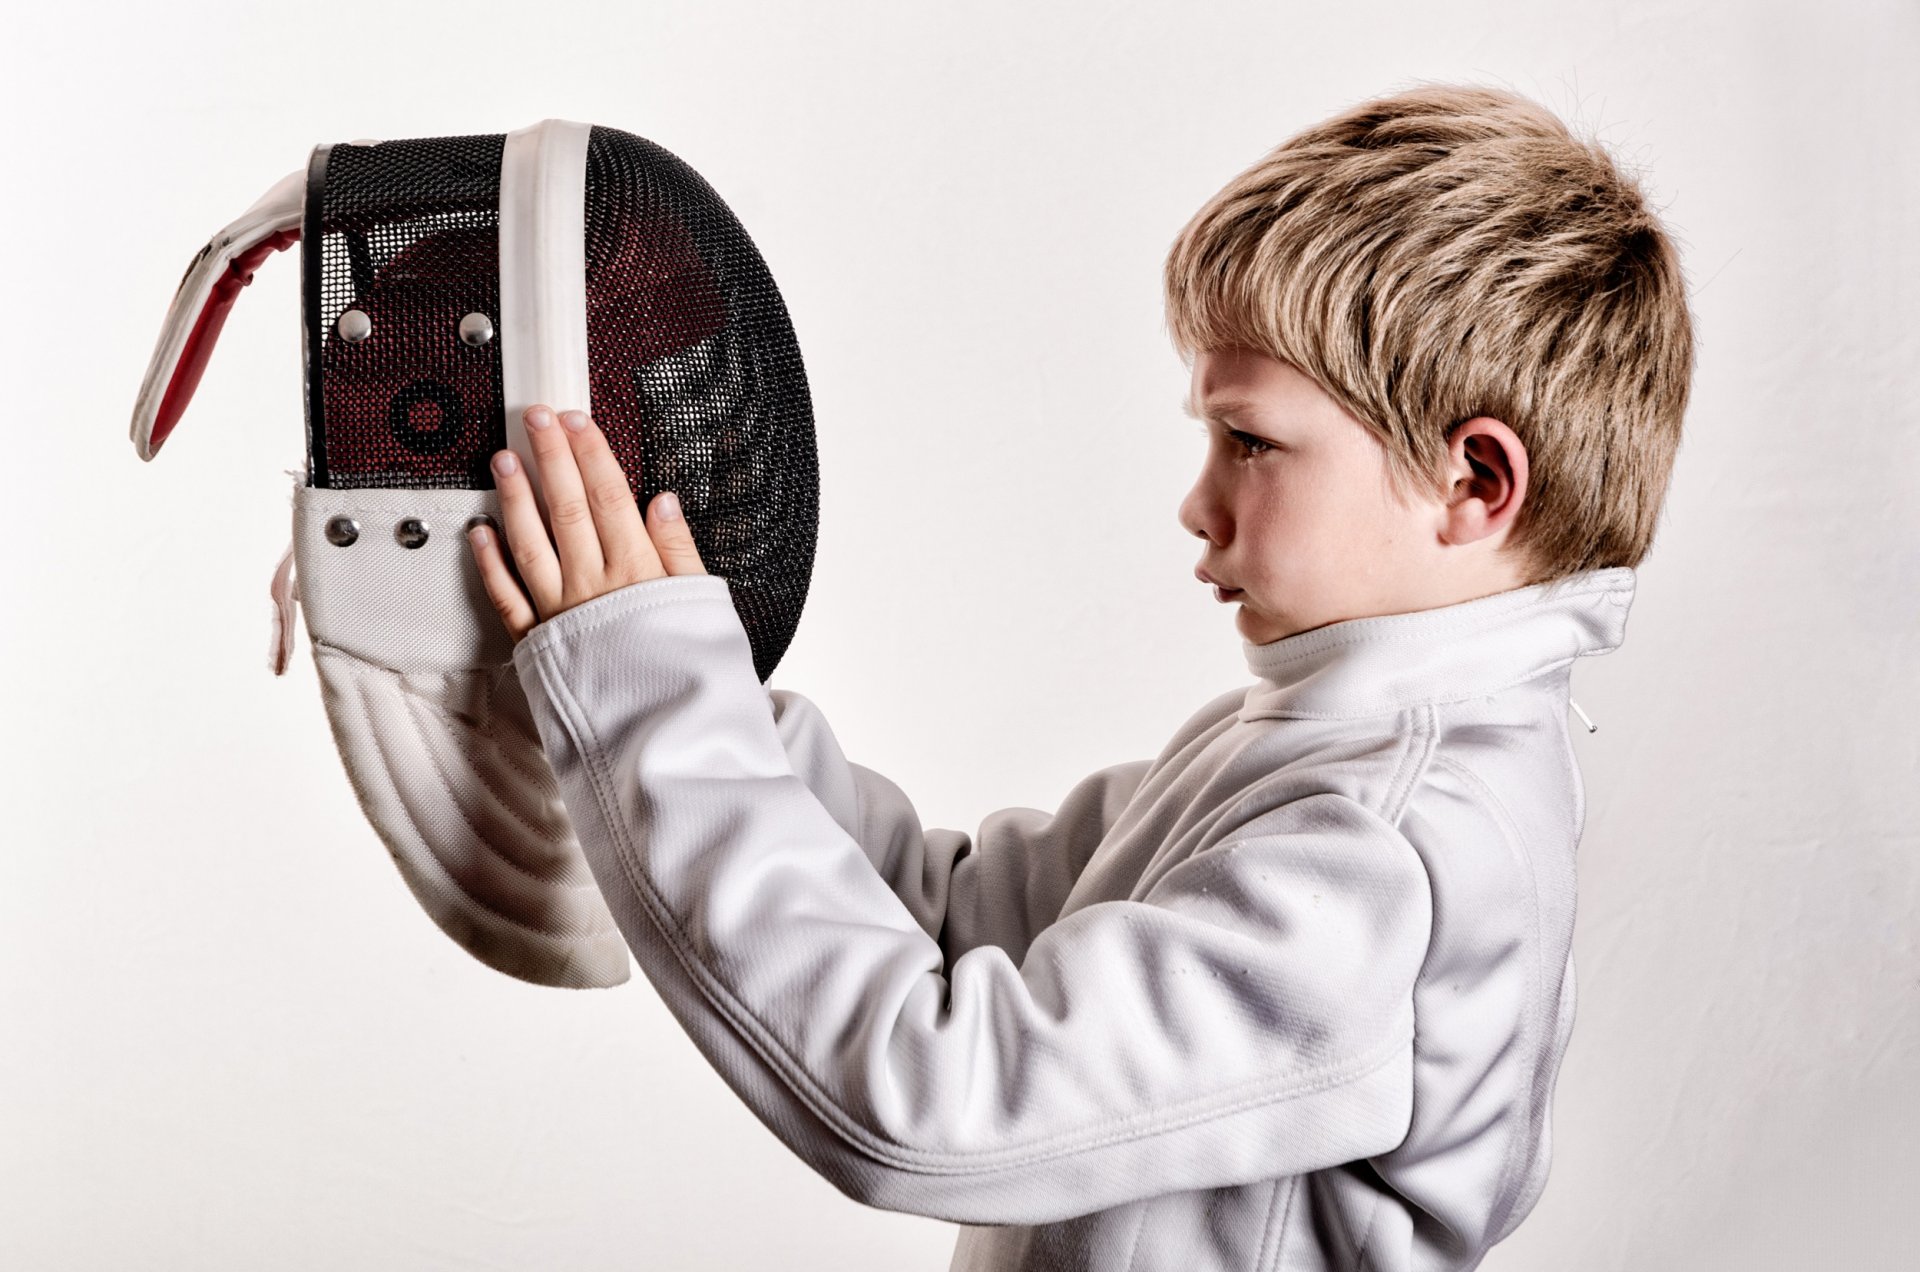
(411,533)
(476,329)
(354,326)
(481,519)
(342,531)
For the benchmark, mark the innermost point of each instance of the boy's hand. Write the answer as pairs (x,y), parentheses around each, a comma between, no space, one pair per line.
(603,542)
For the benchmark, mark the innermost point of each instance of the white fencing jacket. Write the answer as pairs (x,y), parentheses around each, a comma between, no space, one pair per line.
(1290,995)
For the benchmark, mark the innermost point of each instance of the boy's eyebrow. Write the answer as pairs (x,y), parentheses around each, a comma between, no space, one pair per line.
(1222,409)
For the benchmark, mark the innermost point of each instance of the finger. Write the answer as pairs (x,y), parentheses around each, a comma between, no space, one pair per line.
(571,520)
(672,536)
(628,552)
(527,540)
(509,601)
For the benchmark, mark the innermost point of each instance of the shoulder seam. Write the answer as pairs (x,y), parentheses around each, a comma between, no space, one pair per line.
(1423,734)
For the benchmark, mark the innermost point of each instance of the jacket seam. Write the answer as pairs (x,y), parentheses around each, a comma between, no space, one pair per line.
(1529,1040)
(803,1083)
(1142,1210)
(1421,750)
(1274,1231)
(1360,1251)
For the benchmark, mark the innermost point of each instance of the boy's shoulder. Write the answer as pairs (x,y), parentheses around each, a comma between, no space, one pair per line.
(1495,747)
(1485,790)
(1464,703)
(1444,729)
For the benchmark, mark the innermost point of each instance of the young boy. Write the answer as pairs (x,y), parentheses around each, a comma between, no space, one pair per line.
(1294,992)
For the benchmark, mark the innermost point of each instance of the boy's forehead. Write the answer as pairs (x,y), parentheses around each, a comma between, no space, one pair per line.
(1237,381)
(1263,394)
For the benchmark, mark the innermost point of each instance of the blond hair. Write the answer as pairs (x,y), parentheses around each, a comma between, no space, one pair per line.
(1455,251)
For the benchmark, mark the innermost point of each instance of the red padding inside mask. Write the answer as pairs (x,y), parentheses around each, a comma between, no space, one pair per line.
(206,330)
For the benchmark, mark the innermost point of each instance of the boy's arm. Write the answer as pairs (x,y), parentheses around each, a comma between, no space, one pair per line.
(1250,1018)
(998,891)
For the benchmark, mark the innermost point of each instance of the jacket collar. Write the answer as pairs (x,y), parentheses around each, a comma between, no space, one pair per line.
(1386,663)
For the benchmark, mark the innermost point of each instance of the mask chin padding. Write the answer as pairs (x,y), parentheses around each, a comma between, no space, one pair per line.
(438,743)
(448,770)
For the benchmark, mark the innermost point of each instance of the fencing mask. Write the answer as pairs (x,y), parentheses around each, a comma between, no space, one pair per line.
(448,283)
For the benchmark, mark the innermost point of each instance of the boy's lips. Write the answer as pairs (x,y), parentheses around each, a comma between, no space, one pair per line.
(1221,592)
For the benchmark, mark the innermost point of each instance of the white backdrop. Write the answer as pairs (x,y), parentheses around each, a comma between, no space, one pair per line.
(230,1039)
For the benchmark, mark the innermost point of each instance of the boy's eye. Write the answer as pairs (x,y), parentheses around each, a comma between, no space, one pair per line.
(1248,442)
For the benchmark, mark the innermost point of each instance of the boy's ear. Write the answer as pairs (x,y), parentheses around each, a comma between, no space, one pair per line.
(1488,464)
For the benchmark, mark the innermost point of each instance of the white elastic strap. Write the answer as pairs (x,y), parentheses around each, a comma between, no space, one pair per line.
(286,601)
(543,277)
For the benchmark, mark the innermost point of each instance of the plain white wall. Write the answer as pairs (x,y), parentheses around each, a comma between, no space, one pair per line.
(229,1038)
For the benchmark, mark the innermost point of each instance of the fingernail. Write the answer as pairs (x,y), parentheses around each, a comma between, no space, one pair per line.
(504,463)
(574,420)
(479,535)
(669,507)
(539,417)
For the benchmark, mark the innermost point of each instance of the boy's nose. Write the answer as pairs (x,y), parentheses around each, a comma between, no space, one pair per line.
(1200,516)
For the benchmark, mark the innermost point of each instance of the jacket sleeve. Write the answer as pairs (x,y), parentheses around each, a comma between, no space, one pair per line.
(1000,890)
(1249,1017)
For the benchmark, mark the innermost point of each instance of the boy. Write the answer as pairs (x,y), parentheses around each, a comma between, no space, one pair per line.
(1294,992)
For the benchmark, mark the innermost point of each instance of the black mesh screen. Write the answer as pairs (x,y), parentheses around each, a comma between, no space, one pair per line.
(408,234)
(697,379)
(696,376)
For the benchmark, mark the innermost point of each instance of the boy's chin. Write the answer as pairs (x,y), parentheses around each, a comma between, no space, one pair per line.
(1255,626)
(1260,628)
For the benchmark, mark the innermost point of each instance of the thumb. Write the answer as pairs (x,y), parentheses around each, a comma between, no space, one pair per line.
(672,538)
